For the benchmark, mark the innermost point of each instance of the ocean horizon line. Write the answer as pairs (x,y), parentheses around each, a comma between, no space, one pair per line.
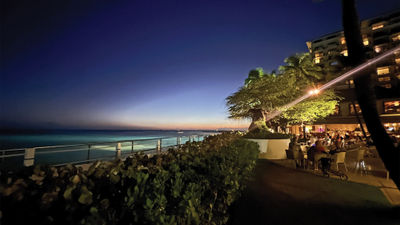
(50,130)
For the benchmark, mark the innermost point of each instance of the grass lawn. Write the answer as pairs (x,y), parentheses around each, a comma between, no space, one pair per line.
(280,195)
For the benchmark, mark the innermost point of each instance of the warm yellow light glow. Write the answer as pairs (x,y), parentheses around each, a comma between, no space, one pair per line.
(382,79)
(314,92)
(392,107)
(382,70)
(342,41)
(344,52)
(377,49)
(365,41)
(396,37)
(317,60)
(377,26)
(397,60)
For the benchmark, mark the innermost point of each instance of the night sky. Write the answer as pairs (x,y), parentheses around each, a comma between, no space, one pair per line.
(147,64)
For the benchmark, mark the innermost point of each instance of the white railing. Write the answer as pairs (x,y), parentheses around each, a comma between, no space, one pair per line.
(58,155)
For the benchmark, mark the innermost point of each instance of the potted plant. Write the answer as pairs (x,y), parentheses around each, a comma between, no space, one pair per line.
(271,145)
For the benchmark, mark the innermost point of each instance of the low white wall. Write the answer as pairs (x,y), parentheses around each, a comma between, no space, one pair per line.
(272,148)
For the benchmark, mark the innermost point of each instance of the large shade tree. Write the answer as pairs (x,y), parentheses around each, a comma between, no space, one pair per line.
(270,92)
(259,98)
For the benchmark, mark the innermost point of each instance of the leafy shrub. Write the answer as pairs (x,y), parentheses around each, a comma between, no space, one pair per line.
(263,133)
(191,185)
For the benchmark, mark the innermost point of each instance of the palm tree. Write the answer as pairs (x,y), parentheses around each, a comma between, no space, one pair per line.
(366,94)
(302,68)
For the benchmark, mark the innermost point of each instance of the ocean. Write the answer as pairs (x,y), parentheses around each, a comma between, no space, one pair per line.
(81,145)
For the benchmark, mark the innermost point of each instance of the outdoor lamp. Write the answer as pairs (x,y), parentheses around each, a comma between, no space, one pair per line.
(314,92)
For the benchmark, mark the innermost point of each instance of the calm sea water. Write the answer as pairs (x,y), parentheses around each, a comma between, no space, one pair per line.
(45,138)
(97,150)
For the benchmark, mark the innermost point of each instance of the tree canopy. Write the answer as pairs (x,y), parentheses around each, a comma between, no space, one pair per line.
(313,108)
(264,93)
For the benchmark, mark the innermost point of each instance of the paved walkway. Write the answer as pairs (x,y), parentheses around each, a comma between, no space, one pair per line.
(387,186)
(281,195)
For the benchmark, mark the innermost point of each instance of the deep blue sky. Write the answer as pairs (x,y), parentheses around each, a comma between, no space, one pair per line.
(158,64)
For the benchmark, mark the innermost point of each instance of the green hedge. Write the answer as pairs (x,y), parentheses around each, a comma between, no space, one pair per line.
(263,133)
(192,185)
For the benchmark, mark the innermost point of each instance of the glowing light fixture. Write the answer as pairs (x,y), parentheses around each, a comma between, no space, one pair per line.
(377,26)
(365,41)
(314,92)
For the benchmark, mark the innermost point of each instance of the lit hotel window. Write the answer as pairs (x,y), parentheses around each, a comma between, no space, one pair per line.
(365,41)
(387,86)
(317,58)
(352,112)
(382,70)
(337,110)
(342,41)
(344,52)
(349,81)
(377,26)
(383,79)
(392,107)
(396,37)
(397,60)
(377,49)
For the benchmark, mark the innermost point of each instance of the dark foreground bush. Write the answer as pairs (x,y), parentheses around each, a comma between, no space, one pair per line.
(192,185)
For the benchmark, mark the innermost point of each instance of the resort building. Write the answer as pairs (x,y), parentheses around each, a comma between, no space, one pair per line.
(379,34)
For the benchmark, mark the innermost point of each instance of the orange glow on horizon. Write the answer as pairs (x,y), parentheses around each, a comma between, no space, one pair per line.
(228,125)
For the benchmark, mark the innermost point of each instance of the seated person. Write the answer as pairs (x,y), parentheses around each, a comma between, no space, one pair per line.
(320,152)
(296,154)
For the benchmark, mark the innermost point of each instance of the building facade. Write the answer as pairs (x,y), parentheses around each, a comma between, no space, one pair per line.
(379,34)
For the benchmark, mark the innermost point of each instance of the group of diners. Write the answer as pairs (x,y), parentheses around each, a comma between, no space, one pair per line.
(323,145)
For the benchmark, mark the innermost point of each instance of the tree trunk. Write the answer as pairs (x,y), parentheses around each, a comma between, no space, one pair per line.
(358,119)
(258,118)
(365,93)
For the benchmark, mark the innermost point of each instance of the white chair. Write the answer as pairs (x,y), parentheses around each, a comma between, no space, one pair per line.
(339,158)
(297,156)
(360,164)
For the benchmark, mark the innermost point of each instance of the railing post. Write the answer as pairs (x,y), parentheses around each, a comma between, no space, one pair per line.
(29,157)
(133,142)
(159,145)
(178,141)
(118,151)
(88,152)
